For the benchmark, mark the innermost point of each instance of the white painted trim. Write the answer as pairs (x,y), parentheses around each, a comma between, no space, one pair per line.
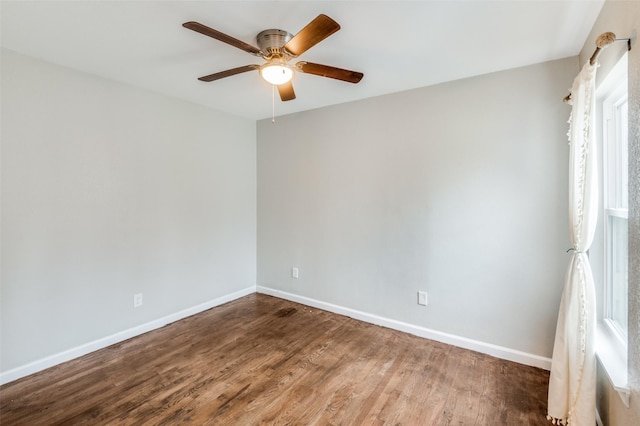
(78,351)
(462,342)
(612,354)
(451,339)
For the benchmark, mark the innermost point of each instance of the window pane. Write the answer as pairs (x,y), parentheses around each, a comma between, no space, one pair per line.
(622,174)
(618,293)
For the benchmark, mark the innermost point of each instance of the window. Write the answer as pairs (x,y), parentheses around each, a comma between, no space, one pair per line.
(610,252)
(615,200)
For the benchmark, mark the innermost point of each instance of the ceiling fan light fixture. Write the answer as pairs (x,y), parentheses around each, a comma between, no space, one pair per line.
(276,73)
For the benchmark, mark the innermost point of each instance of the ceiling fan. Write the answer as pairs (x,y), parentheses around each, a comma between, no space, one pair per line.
(277,48)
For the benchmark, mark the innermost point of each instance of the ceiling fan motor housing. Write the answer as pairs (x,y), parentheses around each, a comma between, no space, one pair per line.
(271,42)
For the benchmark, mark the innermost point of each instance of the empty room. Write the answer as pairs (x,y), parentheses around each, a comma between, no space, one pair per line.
(320,212)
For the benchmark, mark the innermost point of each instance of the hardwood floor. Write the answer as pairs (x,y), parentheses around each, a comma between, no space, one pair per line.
(260,360)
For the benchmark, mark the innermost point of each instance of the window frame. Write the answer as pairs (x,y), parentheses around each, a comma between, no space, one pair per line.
(615,205)
(611,344)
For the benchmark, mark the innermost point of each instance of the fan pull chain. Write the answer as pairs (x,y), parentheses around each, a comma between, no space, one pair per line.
(273,103)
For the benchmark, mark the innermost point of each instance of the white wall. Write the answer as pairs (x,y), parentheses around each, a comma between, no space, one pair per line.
(457,189)
(107,191)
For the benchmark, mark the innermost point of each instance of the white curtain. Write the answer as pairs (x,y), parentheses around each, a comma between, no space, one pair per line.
(572,385)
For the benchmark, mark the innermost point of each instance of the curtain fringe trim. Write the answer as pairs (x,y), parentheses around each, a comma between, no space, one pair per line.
(556,421)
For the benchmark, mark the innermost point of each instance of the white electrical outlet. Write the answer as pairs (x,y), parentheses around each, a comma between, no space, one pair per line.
(137,300)
(422,298)
(294,272)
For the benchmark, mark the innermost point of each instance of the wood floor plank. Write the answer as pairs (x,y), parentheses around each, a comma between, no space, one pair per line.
(260,360)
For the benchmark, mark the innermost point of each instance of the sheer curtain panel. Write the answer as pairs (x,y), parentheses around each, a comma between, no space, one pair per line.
(572,385)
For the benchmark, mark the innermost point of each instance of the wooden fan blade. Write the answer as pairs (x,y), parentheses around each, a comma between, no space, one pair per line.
(286,91)
(315,31)
(203,29)
(331,72)
(228,73)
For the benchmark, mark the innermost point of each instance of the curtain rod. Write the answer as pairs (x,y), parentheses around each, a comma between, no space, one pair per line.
(603,41)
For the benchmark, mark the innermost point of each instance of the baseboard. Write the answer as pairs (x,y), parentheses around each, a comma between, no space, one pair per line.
(598,418)
(50,361)
(462,342)
(451,339)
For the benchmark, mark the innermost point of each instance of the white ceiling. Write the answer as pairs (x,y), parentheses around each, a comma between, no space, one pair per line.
(398,45)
